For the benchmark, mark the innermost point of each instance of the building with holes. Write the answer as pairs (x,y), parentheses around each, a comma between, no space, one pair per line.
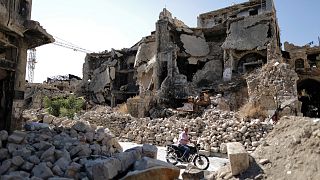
(18,33)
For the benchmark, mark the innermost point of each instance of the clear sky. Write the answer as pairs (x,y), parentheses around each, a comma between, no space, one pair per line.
(99,25)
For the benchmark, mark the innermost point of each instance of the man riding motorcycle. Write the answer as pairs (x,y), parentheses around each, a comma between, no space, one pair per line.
(183,143)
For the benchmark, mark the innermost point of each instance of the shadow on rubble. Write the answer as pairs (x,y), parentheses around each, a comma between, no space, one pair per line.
(253,172)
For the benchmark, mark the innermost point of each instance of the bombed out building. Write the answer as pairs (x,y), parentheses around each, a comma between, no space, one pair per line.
(18,33)
(223,54)
(177,61)
(305,60)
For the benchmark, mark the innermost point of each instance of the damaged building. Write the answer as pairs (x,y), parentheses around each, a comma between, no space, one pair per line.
(18,33)
(305,60)
(109,77)
(61,86)
(177,61)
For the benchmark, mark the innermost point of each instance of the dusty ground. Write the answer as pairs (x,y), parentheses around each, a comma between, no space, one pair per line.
(215,162)
(293,149)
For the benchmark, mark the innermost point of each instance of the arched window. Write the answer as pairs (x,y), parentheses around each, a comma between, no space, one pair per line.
(250,61)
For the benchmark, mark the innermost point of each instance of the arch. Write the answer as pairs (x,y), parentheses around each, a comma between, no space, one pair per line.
(308,91)
(250,61)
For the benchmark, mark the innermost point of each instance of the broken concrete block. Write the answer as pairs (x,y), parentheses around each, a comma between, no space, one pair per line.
(161,173)
(192,174)
(150,151)
(106,170)
(238,157)
(147,163)
(17,137)
(195,46)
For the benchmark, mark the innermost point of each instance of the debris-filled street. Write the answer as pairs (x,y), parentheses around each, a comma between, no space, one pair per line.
(223,99)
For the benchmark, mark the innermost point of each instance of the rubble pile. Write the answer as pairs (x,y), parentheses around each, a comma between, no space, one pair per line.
(105,116)
(294,146)
(290,151)
(60,149)
(278,94)
(213,130)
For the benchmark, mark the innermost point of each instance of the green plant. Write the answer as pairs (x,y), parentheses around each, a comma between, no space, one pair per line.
(64,106)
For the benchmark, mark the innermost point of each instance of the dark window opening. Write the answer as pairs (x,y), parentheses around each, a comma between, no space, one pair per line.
(269,33)
(299,64)
(308,91)
(312,60)
(23,10)
(164,71)
(250,62)
(253,12)
(189,69)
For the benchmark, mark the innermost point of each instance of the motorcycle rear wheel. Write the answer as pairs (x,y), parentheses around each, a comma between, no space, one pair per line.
(172,157)
(201,161)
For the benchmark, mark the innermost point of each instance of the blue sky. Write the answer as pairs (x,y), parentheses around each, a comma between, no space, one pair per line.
(98,25)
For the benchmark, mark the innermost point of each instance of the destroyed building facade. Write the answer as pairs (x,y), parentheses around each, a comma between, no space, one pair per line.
(18,33)
(177,61)
(305,60)
(109,77)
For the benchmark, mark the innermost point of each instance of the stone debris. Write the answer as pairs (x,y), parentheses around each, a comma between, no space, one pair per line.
(213,129)
(192,173)
(159,173)
(55,150)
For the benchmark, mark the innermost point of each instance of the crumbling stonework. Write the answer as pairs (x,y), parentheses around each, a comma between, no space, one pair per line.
(213,130)
(18,33)
(274,89)
(305,61)
(177,61)
(59,86)
(108,77)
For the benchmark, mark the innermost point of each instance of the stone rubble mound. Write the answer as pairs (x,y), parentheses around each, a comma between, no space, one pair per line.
(294,145)
(107,117)
(213,129)
(290,151)
(58,149)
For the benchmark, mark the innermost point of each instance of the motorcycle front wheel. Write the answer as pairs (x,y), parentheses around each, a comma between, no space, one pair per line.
(172,157)
(201,161)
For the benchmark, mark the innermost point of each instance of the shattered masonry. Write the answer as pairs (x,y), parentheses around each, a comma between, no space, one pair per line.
(177,61)
(18,33)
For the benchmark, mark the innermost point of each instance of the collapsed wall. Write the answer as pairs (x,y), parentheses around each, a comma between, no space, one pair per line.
(109,77)
(274,89)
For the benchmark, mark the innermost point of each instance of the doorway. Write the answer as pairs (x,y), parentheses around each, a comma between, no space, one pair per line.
(308,92)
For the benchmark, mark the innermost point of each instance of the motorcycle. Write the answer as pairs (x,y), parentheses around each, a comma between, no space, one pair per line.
(175,153)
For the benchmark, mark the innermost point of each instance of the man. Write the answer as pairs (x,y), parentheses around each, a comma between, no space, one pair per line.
(183,141)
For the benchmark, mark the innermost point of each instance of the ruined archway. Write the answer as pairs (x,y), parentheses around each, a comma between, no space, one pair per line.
(308,91)
(250,61)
